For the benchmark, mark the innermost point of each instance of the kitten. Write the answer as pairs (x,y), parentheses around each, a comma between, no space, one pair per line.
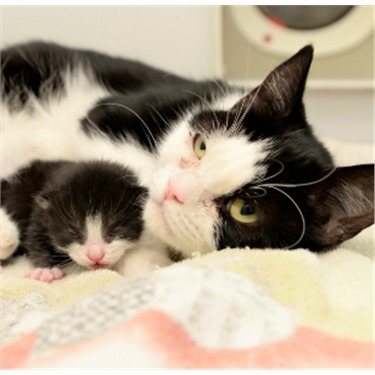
(86,214)
(225,166)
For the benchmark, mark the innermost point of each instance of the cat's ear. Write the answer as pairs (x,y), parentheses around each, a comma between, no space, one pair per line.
(342,206)
(282,89)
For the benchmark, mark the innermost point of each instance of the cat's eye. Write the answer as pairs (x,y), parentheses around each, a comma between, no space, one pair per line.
(242,211)
(199,146)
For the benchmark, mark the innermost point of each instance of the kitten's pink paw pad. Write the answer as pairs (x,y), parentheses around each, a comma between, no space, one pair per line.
(45,274)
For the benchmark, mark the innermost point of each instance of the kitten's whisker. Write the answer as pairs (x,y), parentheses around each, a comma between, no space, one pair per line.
(66,263)
(115,209)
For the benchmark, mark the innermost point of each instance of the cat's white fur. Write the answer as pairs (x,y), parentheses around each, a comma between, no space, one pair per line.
(9,235)
(147,255)
(51,131)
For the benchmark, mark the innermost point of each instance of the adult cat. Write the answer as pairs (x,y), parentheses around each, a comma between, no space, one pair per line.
(224,166)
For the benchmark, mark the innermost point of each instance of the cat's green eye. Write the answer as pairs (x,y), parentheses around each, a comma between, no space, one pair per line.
(242,211)
(199,146)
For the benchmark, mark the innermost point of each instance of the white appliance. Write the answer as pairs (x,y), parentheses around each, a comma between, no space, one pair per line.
(339,97)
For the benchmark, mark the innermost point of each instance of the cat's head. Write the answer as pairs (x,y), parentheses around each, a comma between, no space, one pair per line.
(247,170)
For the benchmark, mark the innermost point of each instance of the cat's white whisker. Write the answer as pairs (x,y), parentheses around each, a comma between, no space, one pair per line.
(160,115)
(219,86)
(207,105)
(248,108)
(149,135)
(303,221)
(300,184)
(97,129)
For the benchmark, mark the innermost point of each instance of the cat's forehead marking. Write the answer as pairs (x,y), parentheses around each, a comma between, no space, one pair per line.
(232,162)
(229,162)
(226,102)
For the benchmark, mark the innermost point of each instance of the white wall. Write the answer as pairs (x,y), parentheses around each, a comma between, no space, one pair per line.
(178,39)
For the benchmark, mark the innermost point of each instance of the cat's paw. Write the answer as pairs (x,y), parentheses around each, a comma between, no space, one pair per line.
(139,261)
(9,235)
(45,274)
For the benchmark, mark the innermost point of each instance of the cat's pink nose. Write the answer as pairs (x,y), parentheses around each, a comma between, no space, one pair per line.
(95,253)
(173,194)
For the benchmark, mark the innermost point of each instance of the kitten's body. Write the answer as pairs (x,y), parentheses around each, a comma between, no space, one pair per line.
(86,214)
(225,167)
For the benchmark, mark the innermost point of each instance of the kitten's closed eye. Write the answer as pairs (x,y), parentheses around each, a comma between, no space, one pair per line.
(75,233)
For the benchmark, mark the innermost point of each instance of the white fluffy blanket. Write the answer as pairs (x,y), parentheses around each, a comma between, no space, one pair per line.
(236,308)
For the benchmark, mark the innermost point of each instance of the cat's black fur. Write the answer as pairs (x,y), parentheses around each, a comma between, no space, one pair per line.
(152,95)
(291,213)
(50,202)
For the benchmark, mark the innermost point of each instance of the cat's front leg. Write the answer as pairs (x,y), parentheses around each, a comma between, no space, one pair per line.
(146,256)
(9,235)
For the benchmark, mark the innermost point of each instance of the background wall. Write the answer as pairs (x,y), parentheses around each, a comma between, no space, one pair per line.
(183,40)
(178,39)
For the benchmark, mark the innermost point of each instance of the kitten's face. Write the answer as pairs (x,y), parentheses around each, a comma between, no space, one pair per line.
(247,174)
(88,242)
(93,214)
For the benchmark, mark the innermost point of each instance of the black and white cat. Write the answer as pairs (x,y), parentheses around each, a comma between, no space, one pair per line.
(224,166)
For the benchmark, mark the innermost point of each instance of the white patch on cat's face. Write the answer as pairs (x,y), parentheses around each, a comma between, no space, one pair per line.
(189,223)
(95,252)
(226,102)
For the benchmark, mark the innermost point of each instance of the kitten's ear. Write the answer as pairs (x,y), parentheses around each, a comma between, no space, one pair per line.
(342,205)
(282,89)
(43,201)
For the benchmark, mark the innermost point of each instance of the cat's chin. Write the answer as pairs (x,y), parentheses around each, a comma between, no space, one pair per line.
(171,222)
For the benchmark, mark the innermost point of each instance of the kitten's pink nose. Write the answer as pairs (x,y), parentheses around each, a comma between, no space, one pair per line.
(95,253)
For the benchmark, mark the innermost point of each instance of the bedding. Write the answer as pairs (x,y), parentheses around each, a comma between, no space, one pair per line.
(236,308)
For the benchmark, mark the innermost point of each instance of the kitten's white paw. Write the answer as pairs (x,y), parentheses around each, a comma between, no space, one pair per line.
(45,274)
(9,235)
